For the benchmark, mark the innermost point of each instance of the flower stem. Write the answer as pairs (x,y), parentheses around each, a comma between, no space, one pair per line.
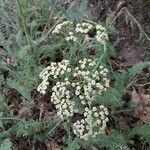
(23,18)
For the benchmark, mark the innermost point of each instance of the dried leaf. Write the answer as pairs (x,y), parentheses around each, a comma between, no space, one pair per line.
(135,96)
(52,145)
(143,105)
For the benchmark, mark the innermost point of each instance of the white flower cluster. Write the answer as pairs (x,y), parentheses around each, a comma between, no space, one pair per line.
(83,27)
(101,35)
(93,124)
(52,72)
(61,96)
(72,31)
(60,25)
(76,89)
(91,83)
(71,37)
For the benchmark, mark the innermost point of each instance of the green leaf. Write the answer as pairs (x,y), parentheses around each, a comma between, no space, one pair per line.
(74,16)
(3,106)
(120,80)
(4,67)
(117,138)
(111,97)
(137,69)
(1,123)
(6,145)
(83,7)
(111,50)
(143,131)
(24,91)
(74,145)
(114,141)
(123,79)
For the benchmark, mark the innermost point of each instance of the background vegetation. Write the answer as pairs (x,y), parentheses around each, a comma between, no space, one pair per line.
(27,119)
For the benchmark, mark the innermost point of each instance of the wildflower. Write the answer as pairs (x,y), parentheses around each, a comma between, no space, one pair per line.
(83,28)
(84,128)
(74,88)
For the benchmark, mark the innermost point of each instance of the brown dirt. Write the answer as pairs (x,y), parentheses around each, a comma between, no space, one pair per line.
(130,50)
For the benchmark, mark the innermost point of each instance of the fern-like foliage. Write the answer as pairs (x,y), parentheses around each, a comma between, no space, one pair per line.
(6,145)
(31,128)
(143,131)
(115,141)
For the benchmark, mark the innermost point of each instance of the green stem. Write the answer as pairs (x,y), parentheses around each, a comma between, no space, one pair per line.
(23,17)
(69,132)
(126,11)
(139,26)
(9,118)
(44,36)
(100,59)
(125,110)
(54,127)
(141,85)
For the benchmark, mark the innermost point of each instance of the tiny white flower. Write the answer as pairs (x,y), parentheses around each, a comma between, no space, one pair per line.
(102,117)
(78,87)
(88,97)
(80,61)
(107,84)
(77,68)
(43,92)
(105,70)
(86,109)
(94,91)
(64,106)
(67,82)
(88,72)
(94,109)
(75,74)
(106,119)
(82,121)
(106,113)
(55,76)
(73,84)
(101,87)
(94,75)
(76,110)
(96,114)
(62,72)
(98,121)
(83,102)
(85,114)
(74,39)
(81,97)
(70,33)
(101,106)
(101,67)
(78,122)
(82,66)
(77,92)
(78,24)
(63,101)
(66,79)
(79,72)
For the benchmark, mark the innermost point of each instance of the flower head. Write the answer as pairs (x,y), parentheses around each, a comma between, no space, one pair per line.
(75,90)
